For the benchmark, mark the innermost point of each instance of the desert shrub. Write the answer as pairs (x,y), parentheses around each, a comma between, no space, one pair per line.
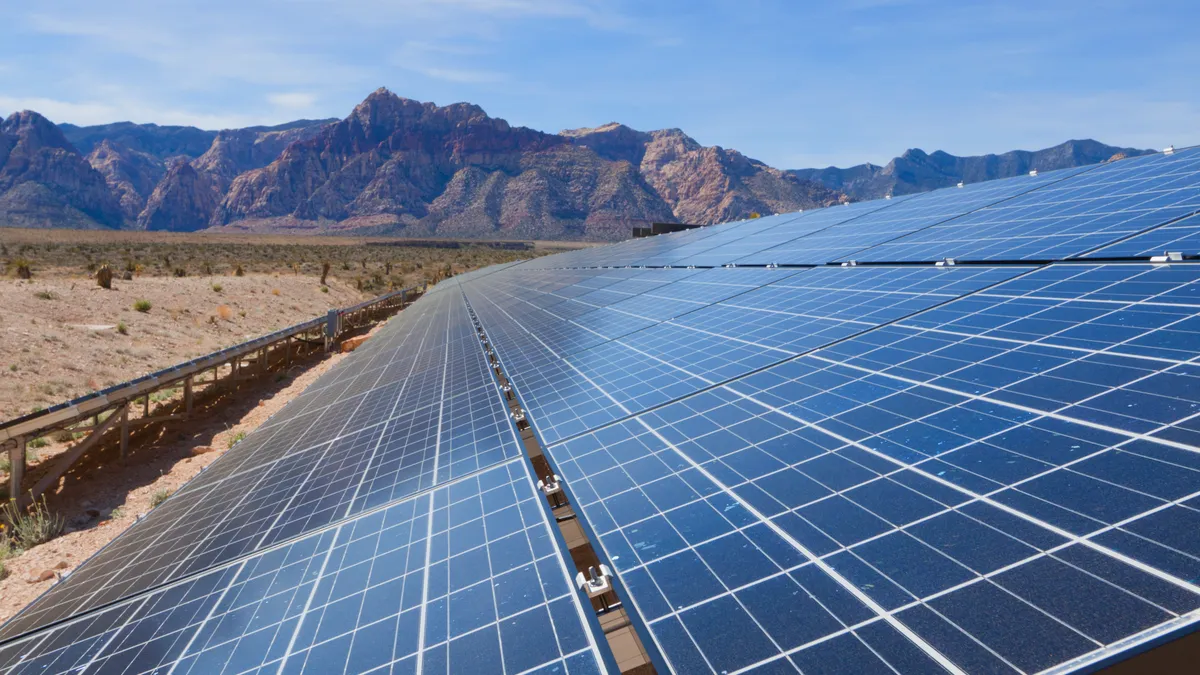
(217,288)
(22,268)
(131,266)
(45,295)
(239,272)
(159,497)
(104,277)
(206,268)
(236,438)
(225,312)
(179,272)
(29,527)
(7,550)
(122,328)
(275,291)
(37,443)
(142,305)
(324,289)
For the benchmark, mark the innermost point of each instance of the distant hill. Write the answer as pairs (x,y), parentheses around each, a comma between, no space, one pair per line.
(401,167)
(917,171)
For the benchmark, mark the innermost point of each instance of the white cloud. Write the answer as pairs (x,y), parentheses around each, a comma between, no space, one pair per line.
(294,100)
(92,112)
(59,111)
(444,61)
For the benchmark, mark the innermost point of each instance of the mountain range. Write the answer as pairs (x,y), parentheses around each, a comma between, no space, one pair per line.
(396,166)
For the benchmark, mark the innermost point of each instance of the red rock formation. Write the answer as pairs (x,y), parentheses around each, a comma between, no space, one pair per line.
(45,182)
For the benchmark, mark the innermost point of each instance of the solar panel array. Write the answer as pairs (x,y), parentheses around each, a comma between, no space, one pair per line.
(793,462)
(383,521)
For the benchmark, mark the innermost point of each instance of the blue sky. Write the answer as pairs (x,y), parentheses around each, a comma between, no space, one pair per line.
(793,83)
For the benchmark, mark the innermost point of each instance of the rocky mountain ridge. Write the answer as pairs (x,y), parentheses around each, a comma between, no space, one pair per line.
(918,171)
(396,166)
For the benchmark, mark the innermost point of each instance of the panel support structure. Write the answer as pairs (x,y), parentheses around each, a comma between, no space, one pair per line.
(124,430)
(16,469)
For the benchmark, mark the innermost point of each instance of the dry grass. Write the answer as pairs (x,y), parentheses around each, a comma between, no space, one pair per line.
(27,528)
(225,312)
(374,264)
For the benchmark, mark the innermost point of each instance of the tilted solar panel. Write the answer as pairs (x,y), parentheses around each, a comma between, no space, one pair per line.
(1013,496)
(1179,236)
(463,578)
(1067,219)
(901,216)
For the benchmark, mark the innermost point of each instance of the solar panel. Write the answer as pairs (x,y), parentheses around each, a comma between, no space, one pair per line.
(1181,236)
(1067,219)
(703,328)
(764,520)
(901,216)
(463,578)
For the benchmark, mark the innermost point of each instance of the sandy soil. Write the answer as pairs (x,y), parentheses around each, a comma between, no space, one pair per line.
(16,235)
(59,337)
(108,494)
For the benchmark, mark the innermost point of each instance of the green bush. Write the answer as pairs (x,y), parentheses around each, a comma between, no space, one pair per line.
(30,527)
(159,497)
(142,305)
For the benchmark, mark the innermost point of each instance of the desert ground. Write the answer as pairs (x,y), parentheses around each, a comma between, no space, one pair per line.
(62,335)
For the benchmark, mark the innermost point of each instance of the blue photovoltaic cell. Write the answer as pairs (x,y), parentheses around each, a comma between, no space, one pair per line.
(1111,345)
(702,329)
(900,217)
(1066,219)
(783,244)
(1015,439)
(715,246)
(872,494)
(354,453)
(1181,236)
(465,578)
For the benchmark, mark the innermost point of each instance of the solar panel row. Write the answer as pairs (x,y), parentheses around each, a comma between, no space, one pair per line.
(416,412)
(1053,215)
(976,469)
(463,578)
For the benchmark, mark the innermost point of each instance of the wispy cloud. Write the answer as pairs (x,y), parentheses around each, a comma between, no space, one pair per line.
(95,112)
(445,62)
(294,100)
